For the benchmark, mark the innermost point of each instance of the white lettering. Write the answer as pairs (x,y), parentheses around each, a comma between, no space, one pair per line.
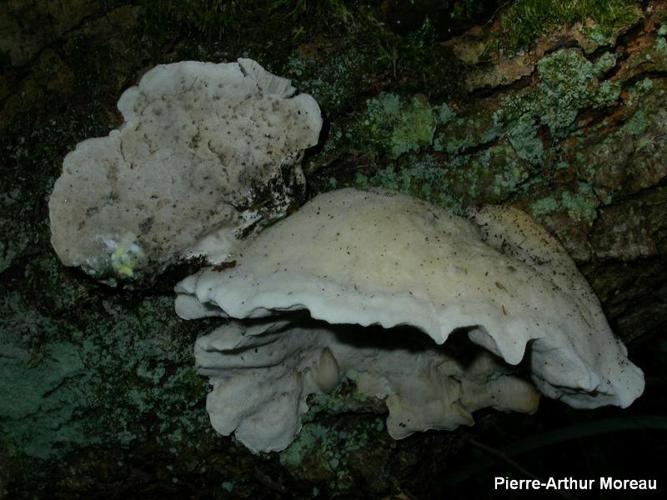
(571,483)
(609,483)
(516,484)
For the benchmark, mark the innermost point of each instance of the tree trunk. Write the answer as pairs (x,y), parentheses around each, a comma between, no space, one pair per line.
(460,103)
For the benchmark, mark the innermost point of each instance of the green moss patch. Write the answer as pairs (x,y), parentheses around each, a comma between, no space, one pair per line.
(526,20)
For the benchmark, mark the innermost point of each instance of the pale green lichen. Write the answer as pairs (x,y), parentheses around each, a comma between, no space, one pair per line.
(98,382)
(492,174)
(459,133)
(599,36)
(604,63)
(507,181)
(497,153)
(618,160)
(424,179)
(544,206)
(497,172)
(637,124)
(581,204)
(642,87)
(396,125)
(607,94)
(568,84)
(445,114)
(332,81)
(522,135)
(330,453)
(491,152)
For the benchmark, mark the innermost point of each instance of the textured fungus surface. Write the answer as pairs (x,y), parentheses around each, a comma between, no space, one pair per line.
(206,151)
(133,417)
(382,258)
(262,375)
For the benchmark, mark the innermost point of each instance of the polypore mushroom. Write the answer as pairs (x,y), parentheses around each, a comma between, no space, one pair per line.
(263,373)
(205,151)
(380,258)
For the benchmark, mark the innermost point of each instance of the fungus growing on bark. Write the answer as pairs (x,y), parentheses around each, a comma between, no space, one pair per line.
(206,151)
(380,258)
(262,375)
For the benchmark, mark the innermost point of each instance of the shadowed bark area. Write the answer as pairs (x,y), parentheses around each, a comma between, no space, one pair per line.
(559,112)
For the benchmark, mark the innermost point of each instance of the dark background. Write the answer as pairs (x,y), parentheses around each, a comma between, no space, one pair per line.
(98,395)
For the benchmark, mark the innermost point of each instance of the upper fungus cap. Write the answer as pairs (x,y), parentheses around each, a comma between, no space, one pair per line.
(377,257)
(205,150)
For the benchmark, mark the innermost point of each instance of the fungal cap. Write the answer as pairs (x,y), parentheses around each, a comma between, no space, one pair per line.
(377,257)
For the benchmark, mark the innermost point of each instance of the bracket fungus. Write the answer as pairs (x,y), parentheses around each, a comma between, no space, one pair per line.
(381,260)
(263,373)
(205,153)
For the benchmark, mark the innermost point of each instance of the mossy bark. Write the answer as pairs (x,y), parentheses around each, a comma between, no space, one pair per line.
(99,395)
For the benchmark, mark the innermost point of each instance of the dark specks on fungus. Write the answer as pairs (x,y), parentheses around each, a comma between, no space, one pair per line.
(197,136)
(514,282)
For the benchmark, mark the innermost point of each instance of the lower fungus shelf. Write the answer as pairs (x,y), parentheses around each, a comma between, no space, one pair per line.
(263,374)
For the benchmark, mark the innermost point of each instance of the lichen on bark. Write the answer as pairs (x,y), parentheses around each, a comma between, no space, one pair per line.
(559,112)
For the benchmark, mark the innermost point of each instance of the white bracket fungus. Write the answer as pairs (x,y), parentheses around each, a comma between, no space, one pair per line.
(380,258)
(204,153)
(263,373)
